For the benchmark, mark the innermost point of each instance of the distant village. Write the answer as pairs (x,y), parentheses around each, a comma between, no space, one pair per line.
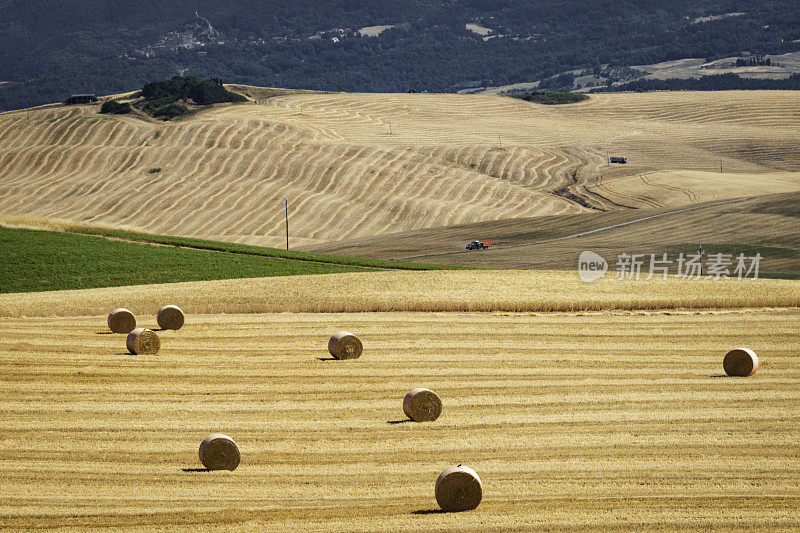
(200,33)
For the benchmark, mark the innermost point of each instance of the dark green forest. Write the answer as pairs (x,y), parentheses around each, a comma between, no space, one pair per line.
(53,48)
(718,82)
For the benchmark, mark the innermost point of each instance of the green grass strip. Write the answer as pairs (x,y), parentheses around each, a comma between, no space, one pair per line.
(35,260)
(246,249)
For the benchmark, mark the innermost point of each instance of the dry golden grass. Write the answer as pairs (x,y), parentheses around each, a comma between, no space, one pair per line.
(355,165)
(526,290)
(595,421)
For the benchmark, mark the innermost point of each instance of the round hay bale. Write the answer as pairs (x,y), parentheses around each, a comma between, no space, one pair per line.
(170,317)
(219,452)
(345,345)
(143,341)
(422,405)
(458,488)
(121,321)
(740,362)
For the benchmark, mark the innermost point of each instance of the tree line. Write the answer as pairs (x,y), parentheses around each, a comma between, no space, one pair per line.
(717,82)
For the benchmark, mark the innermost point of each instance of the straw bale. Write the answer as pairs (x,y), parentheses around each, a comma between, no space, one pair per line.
(345,345)
(143,341)
(170,317)
(422,405)
(740,362)
(219,452)
(121,321)
(458,488)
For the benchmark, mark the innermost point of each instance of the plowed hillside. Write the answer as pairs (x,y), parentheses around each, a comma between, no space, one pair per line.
(355,165)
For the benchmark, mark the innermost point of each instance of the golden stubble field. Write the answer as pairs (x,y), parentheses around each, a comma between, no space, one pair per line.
(608,420)
(465,290)
(587,420)
(358,165)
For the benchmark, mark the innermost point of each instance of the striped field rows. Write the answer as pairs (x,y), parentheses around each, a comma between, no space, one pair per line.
(355,165)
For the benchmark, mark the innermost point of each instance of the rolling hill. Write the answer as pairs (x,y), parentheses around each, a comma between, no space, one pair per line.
(360,165)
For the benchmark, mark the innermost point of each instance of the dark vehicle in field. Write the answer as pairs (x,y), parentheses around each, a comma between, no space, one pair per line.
(478,245)
(620,160)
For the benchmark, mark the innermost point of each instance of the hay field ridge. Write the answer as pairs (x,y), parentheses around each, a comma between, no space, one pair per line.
(424,291)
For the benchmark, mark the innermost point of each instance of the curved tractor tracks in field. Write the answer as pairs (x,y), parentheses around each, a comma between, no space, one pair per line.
(359,165)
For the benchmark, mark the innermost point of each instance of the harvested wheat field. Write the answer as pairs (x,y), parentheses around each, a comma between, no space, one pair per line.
(356,165)
(573,421)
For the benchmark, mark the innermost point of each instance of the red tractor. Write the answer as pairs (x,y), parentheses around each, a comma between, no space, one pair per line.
(478,245)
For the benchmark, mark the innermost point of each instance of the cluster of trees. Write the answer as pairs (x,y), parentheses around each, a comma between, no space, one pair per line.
(163,98)
(170,111)
(52,48)
(167,99)
(112,107)
(550,98)
(718,82)
(753,62)
(208,91)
